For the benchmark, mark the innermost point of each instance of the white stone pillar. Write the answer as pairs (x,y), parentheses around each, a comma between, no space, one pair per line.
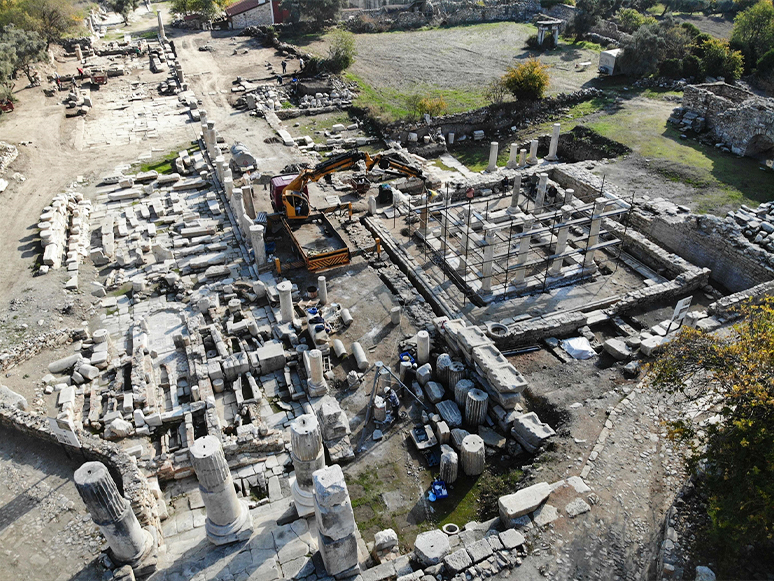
(487,267)
(513,160)
(554,143)
(228,187)
(372,205)
(337,530)
(522,158)
(521,256)
(237,207)
(308,456)
(450,138)
(569,195)
(423,347)
(228,519)
(493,148)
(316,381)
(395,315)
(561,240)
(113,514)
(473,454)
(161,26)
(533,147)
(78,53)
(596,224)
(285,289)
(540,195)
(322,290)
(220,167)
(259,247)
(515,193)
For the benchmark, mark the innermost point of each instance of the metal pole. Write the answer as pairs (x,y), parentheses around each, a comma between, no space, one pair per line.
(378,366)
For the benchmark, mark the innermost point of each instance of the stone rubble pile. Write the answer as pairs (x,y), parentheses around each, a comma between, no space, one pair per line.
(757,225)
(319,100)
(64,233)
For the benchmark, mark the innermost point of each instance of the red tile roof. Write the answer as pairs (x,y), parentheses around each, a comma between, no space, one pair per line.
(243,6)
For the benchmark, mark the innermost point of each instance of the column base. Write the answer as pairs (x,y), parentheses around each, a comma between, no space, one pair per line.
(551,158)
(240,530)
(147,562)
(316,389)
(513,210)
(304,500)
(532,161)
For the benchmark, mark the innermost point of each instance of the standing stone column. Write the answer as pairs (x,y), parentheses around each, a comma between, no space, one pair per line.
(228,519)
(78,53)
(554,143)
(568,197)
(515,193)
(561,240)
(487,267)
(473,454)
(596,224)
(322,290)
(285,289)
(308,456)
(513,159)
(423,347)
(476,404)
(112,513)
(259,247)
(522,158)
(161,26)
(523,252)
(493,148)
(540,195)
(316,384)
(449,464)
(336,526)
(237,207)
(533,146)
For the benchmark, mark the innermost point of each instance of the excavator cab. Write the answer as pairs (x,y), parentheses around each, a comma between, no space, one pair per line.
(294,204)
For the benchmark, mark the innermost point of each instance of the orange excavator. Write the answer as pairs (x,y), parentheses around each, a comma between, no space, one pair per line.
(289,193)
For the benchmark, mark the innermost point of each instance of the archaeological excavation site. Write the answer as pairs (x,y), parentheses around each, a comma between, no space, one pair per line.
(258,322)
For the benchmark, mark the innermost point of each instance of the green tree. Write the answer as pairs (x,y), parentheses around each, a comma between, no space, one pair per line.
(23,49)
(317,10)
(53,19)
(124,8)
(587,14)
(753,32)
(651,45)
(629,20)
(528,80)
(182,7)
(720,60)
(735,376)
(341,52)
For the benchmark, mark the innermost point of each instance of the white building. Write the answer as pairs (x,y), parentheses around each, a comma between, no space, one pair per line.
(250,13)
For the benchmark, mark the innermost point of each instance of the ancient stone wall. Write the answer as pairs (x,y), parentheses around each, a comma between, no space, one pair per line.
(122,466)
(735,116)
(707,241)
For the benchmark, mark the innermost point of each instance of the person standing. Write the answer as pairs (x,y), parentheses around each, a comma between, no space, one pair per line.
(284,67)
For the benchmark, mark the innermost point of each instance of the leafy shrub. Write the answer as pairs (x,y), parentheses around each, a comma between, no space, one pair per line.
(671,69)
(342,51)
(692,67)
(691,29)
(528,80)
(629,20)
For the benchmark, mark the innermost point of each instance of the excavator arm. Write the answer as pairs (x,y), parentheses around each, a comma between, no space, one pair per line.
(296,201)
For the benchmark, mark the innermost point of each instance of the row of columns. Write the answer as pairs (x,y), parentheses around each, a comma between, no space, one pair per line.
(253,233)
(518,157)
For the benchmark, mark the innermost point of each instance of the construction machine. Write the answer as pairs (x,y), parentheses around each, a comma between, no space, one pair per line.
(313,235)
(289,193)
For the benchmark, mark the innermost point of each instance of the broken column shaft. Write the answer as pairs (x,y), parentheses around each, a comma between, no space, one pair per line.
(513,159)
(322,290)
(228,519)
(493,147)
(337,540)
(476,404)
(259,247)
(596,224)
(554,143)
(561,240)
(515,193)
(285,289)
(308,456)
(540,196)
(473,454)
(113,514)
(449,464)
(533,147)
(423,347)
(316,384)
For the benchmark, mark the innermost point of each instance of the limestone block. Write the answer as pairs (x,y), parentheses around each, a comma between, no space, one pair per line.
(450,413)
(522,502)
(330,489)
(457,561)
(617,349)
(530,432)
(511,539)
(271,356)
(431,547)
(424,374)
(449,464)
(338,555)
(442,432)
(13,399)
(479,550)
(385,540)
(577,507)
(434,391)
(336,521)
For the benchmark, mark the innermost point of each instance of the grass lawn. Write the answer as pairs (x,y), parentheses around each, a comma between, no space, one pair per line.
(723,178)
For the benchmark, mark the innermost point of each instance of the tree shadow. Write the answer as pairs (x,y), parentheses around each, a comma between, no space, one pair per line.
(30,246)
